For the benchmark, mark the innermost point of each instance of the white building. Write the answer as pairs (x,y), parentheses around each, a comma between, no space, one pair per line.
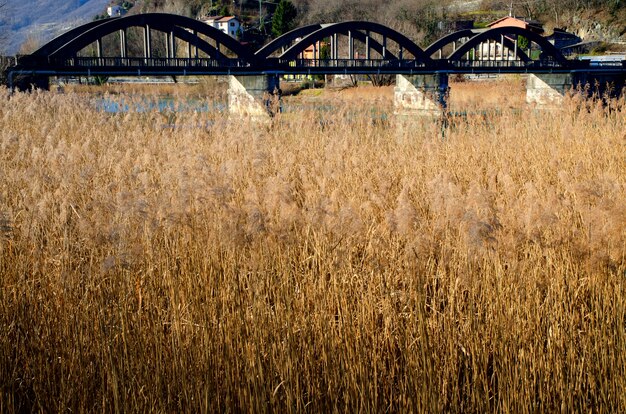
(227,24)
(115,11)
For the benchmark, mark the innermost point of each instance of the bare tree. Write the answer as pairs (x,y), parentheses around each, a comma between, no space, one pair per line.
(381,80)
(29,45)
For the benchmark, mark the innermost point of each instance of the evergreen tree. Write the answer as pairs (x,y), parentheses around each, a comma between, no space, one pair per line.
(284,18)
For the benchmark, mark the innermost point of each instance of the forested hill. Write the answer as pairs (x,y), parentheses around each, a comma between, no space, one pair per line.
(419,19)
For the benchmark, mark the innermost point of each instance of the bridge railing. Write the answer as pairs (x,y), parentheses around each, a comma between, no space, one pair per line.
(503,63)
(151,62)
(606,63)
(351,63)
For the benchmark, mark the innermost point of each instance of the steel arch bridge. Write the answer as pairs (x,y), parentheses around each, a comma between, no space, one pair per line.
(166,44)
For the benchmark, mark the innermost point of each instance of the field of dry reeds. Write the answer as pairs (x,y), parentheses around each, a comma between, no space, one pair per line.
(328,262)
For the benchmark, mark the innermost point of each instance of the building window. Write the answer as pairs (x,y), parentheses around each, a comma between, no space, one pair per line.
(232,24)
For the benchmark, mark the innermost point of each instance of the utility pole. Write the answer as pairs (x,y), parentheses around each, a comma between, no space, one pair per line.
(511,9)
(260,15)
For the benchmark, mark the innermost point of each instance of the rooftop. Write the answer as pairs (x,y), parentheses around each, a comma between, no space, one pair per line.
(531,23)
(219,18)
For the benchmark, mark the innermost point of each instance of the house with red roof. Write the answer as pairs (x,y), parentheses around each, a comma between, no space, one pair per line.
(227,24)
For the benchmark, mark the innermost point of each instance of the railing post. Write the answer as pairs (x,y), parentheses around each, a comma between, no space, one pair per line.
(384,47)
(123,47)
(172,45)
(350,45)
(331,49)
(147,48)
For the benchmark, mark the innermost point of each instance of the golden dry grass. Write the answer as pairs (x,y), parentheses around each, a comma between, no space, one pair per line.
(325,263)
(501,94)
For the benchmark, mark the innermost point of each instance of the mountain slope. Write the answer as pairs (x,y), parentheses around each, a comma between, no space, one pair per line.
(39,21)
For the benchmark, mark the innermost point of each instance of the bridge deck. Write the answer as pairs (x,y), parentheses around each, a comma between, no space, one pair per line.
(112,66)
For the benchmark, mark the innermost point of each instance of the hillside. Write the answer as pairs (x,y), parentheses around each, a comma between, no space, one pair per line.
(38,21)
(419,19)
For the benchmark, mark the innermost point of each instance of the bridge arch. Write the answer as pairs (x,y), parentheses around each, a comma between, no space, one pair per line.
(289,38)
(439,44)
(357,29)
(454,37)
(184,28)
(286,39)
(62,39)
(549,51)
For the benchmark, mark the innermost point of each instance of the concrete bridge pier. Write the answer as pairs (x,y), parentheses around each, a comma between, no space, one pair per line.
(547,90)
(256,97)
(422,95)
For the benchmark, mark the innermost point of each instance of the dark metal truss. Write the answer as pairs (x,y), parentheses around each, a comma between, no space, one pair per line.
(285,53)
